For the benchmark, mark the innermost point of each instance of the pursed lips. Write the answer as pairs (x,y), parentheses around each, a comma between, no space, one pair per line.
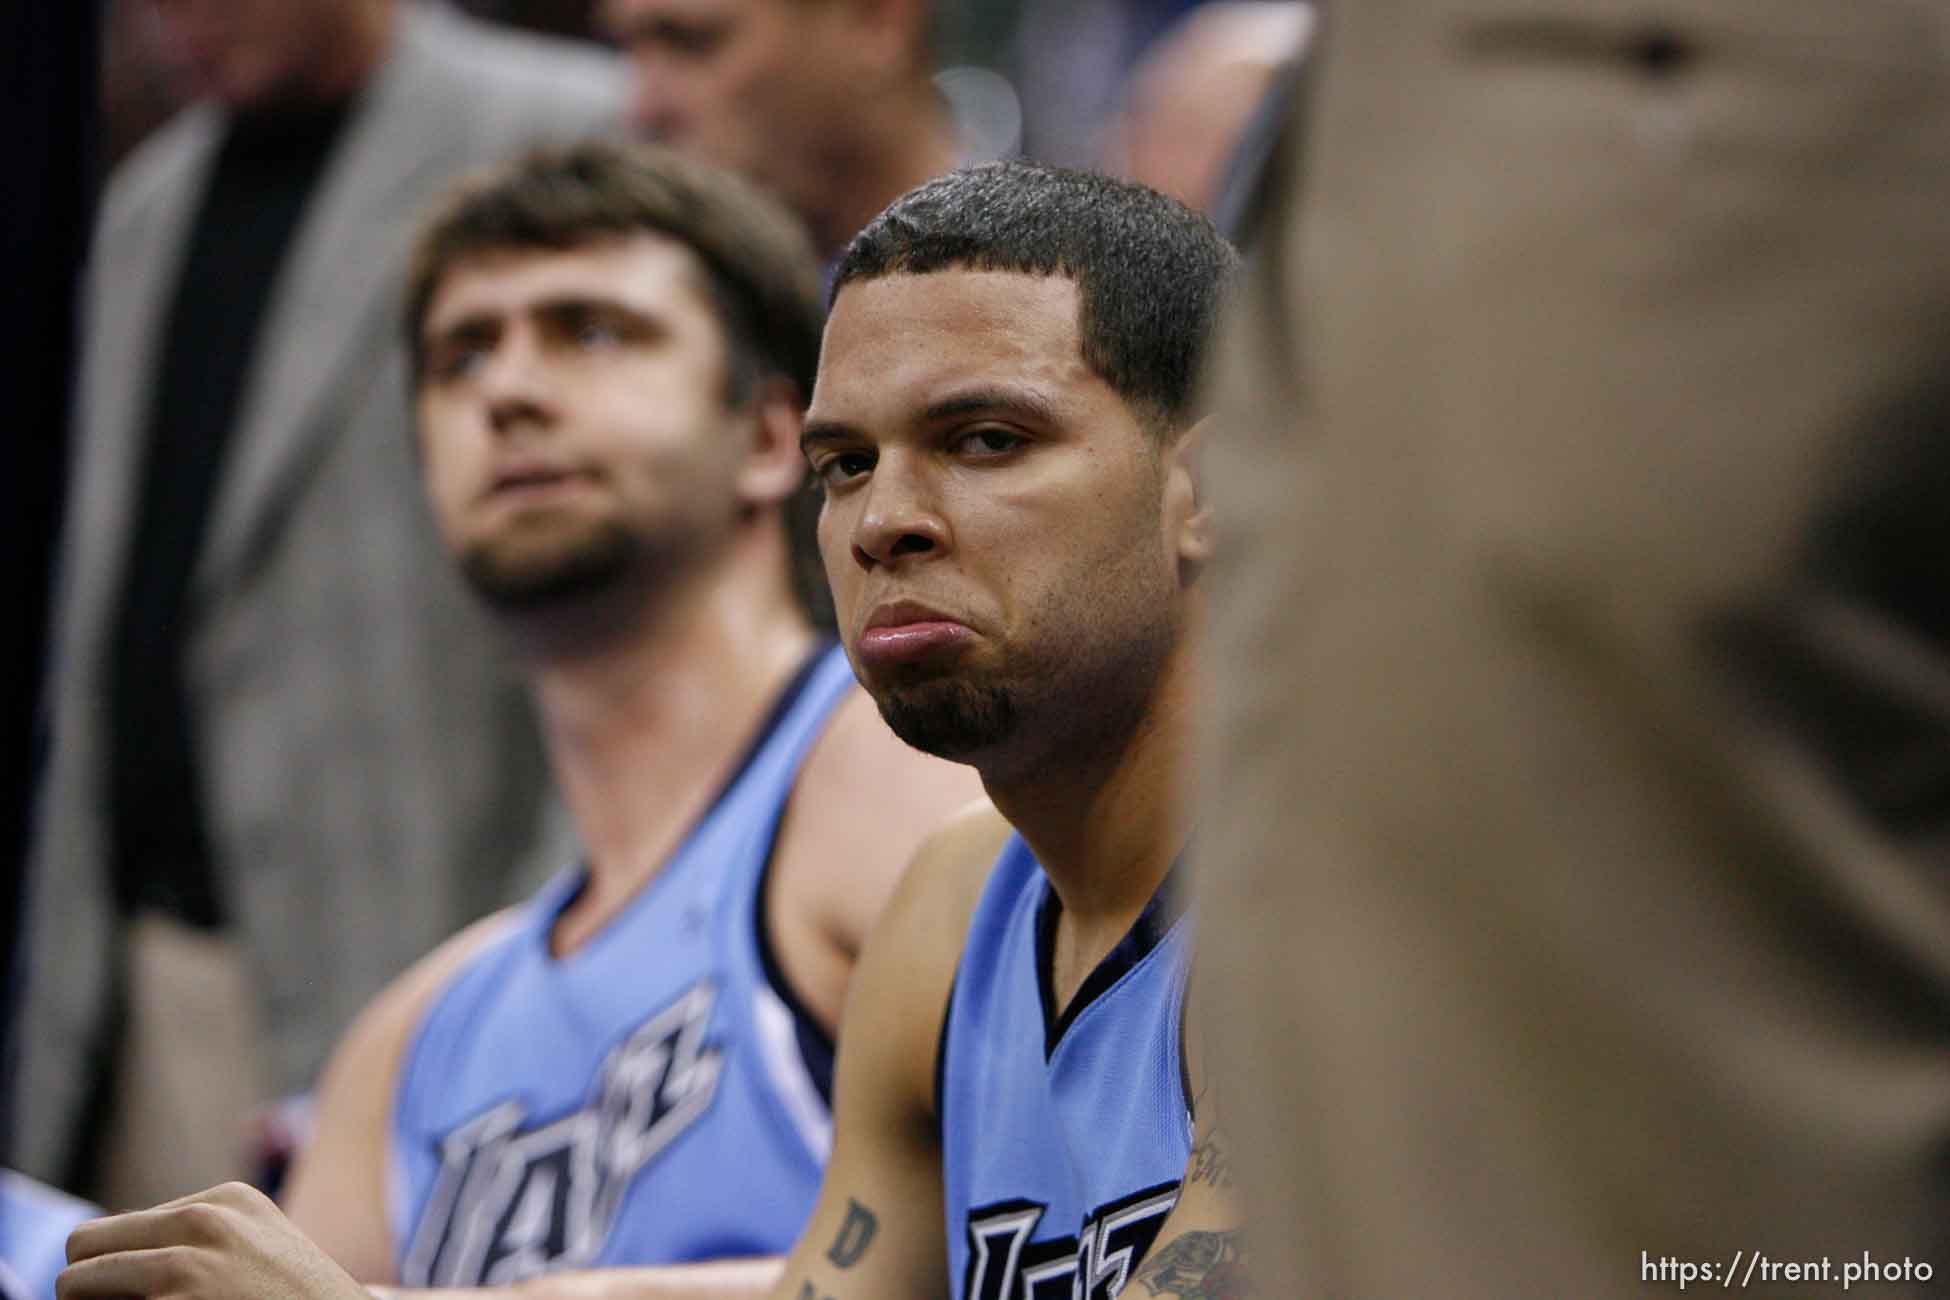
(904,631)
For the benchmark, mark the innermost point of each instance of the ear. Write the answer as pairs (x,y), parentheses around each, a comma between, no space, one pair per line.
(1187,510)
(774,468)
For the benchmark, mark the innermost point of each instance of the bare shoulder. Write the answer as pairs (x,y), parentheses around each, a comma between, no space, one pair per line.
(391,1017)
(863,805)
(336,1187)
(954,861)
(909,962)
(858,762)
(929,913)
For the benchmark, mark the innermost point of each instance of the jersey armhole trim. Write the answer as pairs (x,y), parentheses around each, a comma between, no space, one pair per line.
(1185,1061)
(816,1045)
(941,1061)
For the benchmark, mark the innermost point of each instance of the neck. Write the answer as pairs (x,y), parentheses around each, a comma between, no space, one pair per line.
(911,141)
(1107,824)
(644,720)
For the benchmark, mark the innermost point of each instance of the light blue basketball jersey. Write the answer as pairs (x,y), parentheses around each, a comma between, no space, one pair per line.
(35,1221)
(654,1097)
(1063,1141)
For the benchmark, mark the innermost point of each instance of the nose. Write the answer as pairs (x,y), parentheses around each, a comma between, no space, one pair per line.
(656,106)
(515,386)
(900,518)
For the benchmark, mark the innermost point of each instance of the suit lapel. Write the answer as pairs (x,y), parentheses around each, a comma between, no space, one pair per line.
(135,265)
(334,307)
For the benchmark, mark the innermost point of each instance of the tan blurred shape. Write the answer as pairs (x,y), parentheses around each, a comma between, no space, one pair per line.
(1190,98)
(1578,887)
(188,1072)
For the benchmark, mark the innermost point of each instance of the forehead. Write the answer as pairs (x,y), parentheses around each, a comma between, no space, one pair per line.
(649,272)
(896,343)
(625,18)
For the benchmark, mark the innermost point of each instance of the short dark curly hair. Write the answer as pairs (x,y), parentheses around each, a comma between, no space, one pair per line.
(1150,271)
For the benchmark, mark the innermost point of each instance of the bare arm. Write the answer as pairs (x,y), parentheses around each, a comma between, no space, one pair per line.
(862,808)
(337,1192)
(231,1243)
(1198,1254)
(730,1279)
(877,1232)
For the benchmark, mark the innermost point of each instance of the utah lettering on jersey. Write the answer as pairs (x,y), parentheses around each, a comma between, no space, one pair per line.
(512,1202)
(1004,1264)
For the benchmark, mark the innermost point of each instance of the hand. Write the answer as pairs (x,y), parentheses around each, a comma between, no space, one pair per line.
(229,1243)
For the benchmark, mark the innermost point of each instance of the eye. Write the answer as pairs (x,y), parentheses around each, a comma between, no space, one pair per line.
(456,360)
(841,467)
(592,332)
(697,40)
(988,442)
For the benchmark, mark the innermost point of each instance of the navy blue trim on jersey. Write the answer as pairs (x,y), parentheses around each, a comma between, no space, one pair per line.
(1158,916)
(816,1046)
(550,1109)
(1184,1058)
(941,1051)
(781,706)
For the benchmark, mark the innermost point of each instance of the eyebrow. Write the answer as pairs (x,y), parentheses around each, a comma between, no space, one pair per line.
(823,431)
(625,29)
(556,305)
(1028,406)
(1024,403)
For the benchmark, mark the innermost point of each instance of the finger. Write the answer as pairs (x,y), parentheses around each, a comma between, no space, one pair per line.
(127,1273)
(188,1220)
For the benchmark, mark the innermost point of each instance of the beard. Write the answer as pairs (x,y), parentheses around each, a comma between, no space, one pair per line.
(949,718)
(524,576)
(1078,684)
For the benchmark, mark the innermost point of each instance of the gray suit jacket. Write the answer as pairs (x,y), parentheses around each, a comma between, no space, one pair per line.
(371,770)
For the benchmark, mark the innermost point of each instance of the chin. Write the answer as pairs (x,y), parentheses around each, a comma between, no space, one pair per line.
(527,578)
(948,717)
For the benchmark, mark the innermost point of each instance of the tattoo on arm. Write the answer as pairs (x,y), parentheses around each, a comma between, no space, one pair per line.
(807,1292)
(856,1234)
(1197,1266)
(1211,1164)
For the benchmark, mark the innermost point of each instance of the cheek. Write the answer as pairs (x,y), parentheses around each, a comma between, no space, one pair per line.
(834,535)
(445,466)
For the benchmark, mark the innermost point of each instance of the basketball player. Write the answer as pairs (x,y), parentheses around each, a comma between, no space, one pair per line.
(612,352)
(1004,430)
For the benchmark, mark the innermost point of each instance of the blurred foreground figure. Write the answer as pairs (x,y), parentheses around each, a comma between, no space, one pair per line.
(1578,824)
(830,104)
(286,757)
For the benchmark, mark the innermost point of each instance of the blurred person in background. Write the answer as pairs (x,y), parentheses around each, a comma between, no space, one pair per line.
(1199,91)
(613,346)
(1073,59)
(829,103)
(613,350)
(1578,821)
(286,758)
